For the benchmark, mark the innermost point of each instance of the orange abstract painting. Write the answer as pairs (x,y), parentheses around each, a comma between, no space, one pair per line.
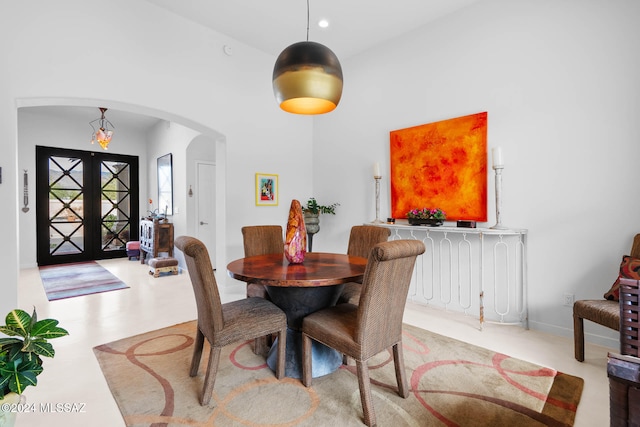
(441,165)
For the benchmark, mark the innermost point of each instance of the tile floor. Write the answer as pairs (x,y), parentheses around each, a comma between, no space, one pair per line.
(74,376)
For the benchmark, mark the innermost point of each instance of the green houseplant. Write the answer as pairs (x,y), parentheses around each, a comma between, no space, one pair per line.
(312,211)
(20,353)
(313,207)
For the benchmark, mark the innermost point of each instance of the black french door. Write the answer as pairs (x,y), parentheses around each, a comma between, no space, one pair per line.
(86,205)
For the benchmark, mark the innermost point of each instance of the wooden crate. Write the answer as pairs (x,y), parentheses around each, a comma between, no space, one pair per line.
(629,320)
(624,390)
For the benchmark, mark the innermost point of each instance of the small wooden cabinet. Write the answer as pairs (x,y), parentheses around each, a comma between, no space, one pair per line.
(155,237)
(624,390)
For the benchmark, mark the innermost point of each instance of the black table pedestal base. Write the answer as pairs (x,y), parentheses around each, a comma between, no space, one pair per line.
(324,360)
(297,302)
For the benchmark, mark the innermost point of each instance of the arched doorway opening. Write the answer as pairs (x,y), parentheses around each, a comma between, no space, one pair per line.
(215,143)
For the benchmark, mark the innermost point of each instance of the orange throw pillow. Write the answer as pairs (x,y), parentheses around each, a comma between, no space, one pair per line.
(629,269)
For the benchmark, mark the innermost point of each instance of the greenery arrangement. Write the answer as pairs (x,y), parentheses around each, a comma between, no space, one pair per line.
(427,213)
(314,208)
(20,361)
(110,221)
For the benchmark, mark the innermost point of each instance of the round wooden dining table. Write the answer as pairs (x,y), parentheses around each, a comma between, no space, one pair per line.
(299,290)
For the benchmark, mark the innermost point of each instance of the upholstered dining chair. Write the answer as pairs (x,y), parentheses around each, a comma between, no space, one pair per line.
(374,325)
(223,324)
(361,239)
(261,240)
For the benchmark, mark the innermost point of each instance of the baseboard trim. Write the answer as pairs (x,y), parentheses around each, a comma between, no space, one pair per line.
(609,338)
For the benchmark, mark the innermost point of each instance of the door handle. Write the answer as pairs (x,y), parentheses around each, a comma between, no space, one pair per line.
(204,223)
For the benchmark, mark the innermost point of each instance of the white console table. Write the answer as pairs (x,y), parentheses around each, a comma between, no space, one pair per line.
(479,271)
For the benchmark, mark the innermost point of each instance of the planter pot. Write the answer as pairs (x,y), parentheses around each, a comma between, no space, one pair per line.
(8,419)
(312,222)
(427,222)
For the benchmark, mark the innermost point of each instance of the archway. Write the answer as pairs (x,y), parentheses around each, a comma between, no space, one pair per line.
(217,143)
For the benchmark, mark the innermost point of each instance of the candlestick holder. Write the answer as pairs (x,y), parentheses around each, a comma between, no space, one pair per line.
(377,220)
(498,180)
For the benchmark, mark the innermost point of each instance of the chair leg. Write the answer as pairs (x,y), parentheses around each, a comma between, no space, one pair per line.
(364,383)
(578,337)
(260,346)
(210,378)
(401,376)
(307,370)
(197,353)
(282,354)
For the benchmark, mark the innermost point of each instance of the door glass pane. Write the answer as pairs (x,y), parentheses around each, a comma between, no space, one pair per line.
(66,239)
(115,208)
(66,208)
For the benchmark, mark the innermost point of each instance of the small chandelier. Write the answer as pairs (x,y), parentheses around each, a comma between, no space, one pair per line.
(307,78)
(105,130)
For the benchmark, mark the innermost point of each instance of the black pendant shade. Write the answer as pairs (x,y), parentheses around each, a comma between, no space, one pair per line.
(307,79)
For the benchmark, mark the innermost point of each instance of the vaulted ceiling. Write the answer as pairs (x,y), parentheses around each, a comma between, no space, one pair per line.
(272,25)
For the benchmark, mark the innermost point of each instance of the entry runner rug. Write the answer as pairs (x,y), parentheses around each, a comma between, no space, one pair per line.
(452,384)
(76,279)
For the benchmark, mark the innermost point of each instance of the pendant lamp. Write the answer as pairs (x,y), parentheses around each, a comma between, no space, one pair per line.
(307,78)
(104,132)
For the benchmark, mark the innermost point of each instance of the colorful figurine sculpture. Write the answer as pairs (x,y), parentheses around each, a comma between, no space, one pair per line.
(295,243)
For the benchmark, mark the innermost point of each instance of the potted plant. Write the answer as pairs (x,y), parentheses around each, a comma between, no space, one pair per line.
(20,355)
(312,211)
(426,216)
(313,207)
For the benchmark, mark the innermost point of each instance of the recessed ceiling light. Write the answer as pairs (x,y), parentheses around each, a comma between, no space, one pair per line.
(323,23)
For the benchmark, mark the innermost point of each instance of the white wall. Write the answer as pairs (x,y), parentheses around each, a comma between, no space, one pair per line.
(169,138)
(201,148)
(152,62)
(559,80)
(42,126)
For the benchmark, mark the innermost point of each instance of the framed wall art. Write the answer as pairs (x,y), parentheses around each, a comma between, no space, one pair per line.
(441,165)
(266,189)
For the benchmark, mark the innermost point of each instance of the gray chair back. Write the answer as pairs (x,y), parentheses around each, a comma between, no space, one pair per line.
(262,240)
(363,237)
(384,294)
(204,284)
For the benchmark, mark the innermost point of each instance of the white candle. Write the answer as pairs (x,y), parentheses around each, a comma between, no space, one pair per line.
(497,157)
(376,169)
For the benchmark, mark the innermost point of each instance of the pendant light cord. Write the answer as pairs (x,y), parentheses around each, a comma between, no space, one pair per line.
(307,20)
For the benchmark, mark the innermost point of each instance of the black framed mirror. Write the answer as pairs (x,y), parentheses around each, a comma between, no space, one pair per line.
(165,184)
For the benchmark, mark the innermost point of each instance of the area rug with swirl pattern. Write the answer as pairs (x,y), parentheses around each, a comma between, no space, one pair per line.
(452,383)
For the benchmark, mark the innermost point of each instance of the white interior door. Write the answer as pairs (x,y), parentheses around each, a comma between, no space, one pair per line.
(205,193)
